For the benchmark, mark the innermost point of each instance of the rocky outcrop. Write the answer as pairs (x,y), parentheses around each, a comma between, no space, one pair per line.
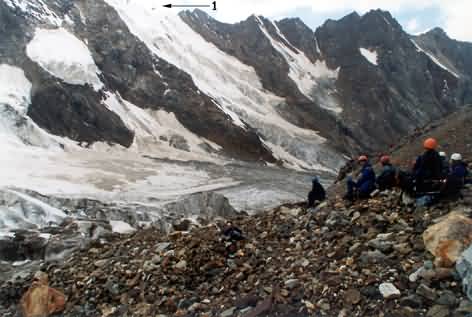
(301,36)
(60,108)
(454,54)
(449,238)
(401,92)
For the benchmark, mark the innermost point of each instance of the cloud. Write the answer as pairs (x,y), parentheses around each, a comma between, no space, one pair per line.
(412,25)
(458,19)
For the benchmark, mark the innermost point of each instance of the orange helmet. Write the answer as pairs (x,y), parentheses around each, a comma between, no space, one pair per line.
(430,144)
(362,158)
(385,159)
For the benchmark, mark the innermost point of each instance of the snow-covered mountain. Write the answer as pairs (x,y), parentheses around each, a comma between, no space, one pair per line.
(123,100)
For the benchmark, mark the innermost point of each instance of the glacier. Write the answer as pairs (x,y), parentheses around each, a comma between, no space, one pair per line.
(166,162)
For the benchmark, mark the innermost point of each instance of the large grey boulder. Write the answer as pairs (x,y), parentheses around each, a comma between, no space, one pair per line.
(464,268)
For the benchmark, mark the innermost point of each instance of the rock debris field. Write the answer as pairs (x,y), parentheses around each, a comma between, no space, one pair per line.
(367,259)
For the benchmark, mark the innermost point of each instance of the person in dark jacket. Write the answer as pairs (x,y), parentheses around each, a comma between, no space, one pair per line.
(387,179)
(317,194)
(444,164)
(365,184)
(427,168)
(456,178)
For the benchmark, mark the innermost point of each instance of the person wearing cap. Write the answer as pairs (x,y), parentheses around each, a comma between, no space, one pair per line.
(427,168)
(387,179)
(444,164)
(317,193)
(456,178)
(365,184)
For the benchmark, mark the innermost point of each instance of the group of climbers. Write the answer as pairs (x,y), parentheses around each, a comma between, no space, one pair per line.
(432,175)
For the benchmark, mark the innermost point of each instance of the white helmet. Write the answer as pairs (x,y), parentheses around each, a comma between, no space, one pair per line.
(442,154)
(456,157)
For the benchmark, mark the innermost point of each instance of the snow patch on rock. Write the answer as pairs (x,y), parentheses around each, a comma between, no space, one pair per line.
(121,227)
(370,55)
(157,129)
(64,56)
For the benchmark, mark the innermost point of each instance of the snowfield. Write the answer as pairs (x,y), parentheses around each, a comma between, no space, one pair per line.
(16,128)
(64,56)
(156,130)
(15,88)
(370,55)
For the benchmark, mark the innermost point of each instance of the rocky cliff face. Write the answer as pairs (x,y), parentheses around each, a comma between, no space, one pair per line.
(385,86)
(452,54)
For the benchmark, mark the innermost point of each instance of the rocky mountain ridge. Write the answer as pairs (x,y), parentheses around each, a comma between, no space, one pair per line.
(319,96)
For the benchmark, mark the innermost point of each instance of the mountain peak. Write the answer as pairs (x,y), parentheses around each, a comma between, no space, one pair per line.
(196,13)
(437,31)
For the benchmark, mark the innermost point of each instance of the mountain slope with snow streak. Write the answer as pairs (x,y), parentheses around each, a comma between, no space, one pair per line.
(434,59)
(302,71)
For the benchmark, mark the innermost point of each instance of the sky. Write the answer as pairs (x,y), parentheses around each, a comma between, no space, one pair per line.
(416,16)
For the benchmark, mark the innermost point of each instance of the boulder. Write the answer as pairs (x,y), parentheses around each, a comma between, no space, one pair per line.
(448,238)
(389,291)
(464,268)
(40,299)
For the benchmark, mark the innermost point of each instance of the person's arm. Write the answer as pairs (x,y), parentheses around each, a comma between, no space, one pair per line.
(363,177)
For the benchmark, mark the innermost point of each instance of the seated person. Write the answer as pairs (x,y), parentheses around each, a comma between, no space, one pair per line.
(317,194)
(456,178)
(387,179)
(365,184)
(427,168)
(444,164)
